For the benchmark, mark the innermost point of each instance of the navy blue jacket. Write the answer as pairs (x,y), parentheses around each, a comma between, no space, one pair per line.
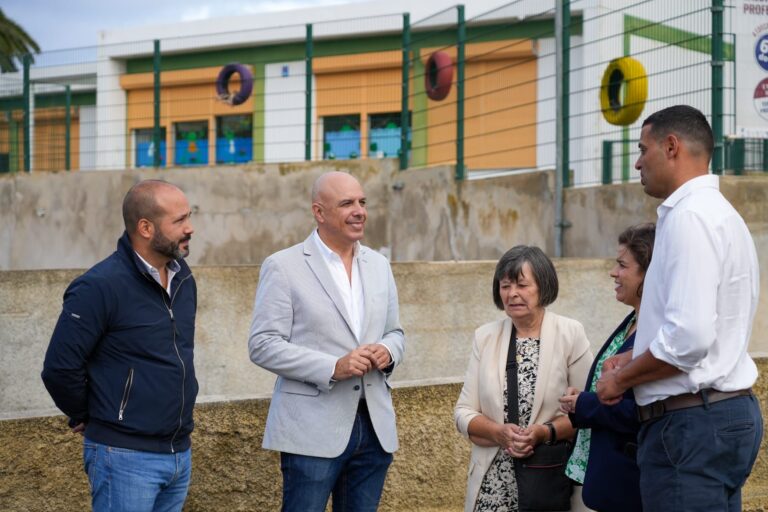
(612,480)
(120,358)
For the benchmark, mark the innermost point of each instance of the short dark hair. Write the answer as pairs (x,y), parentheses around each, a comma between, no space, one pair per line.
(510,266)
(687,123)
(140,203)
(639,241)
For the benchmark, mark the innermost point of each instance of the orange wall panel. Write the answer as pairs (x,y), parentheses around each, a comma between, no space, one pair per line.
(188,95)
(500,116)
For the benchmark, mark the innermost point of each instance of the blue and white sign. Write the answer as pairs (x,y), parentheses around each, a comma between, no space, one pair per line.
(761,51)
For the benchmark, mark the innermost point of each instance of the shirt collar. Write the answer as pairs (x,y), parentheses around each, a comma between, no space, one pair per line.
(690,186)
(172,265)
(327,251)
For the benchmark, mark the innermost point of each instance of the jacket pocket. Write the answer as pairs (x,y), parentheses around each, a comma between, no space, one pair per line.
(126,395)
(298,388)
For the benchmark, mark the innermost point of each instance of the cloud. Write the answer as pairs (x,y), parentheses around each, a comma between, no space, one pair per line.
(199,12)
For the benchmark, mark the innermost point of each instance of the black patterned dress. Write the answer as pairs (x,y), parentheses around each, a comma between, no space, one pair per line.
(498,492)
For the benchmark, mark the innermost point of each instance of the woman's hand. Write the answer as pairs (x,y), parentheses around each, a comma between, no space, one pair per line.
(568,400)
(524,440)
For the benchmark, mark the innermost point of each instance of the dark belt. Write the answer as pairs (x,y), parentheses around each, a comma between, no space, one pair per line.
(674,403)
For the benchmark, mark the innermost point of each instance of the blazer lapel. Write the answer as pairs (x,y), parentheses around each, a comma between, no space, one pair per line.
(546,353)
(318,266)
(367,280)
(501,357)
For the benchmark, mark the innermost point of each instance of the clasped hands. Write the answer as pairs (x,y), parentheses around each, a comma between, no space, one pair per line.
(519,442)
(362,360)
(608,390)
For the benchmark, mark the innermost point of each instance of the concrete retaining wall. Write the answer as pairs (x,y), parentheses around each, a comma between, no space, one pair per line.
(244,213)
(441,304)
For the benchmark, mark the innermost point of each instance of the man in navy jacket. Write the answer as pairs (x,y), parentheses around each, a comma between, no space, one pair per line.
(120,360)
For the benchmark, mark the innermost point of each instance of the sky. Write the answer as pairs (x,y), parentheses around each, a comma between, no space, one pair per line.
(57,24)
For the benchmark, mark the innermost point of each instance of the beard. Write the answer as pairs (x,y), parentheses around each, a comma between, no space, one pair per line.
(168,248)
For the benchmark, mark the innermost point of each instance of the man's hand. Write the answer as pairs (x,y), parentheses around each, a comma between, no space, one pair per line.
(608,390)
(355,364)
(379,356)
(617,361)
(79,429)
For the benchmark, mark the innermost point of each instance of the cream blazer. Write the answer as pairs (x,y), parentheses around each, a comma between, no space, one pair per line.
(564,360)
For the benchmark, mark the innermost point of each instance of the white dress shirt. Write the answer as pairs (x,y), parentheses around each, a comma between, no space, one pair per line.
(351,290)
(172,268)
(700,294)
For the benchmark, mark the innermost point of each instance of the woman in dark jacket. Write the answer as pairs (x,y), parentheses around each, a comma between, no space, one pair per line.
(604,455)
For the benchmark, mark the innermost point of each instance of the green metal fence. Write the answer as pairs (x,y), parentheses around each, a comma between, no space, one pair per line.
(369,88)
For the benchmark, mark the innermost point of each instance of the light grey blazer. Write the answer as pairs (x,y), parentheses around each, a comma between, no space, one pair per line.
(300,328)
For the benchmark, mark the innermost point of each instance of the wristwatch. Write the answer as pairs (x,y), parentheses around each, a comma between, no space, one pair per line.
(552,434)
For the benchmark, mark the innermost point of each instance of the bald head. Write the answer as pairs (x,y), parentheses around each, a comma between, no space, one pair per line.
(141,203)
(326,184)
(339,208)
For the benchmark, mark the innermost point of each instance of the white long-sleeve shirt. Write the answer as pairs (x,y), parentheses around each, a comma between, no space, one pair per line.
(700,294)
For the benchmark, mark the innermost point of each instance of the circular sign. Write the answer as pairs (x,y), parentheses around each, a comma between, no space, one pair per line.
(761,51)
(760,98)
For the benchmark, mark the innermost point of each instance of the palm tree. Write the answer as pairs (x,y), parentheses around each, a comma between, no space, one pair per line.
(14,43)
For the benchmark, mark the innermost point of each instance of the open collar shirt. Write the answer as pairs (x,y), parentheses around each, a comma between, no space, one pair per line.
(351,291)
(700,294)
(172,268)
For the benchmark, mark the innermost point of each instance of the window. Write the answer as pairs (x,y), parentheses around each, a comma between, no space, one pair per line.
(234,139)
(192,143)
(384,135)
(341,137)
(145,147)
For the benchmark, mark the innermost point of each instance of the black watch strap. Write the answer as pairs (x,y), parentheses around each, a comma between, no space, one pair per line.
(552,434)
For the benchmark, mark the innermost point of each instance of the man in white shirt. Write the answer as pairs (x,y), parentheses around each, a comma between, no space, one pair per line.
(326,321)
(690,370)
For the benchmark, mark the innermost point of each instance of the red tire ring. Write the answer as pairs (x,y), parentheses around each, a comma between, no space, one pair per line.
(246,83)
(438,75)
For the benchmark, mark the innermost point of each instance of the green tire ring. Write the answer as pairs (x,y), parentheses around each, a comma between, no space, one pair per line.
(629,72)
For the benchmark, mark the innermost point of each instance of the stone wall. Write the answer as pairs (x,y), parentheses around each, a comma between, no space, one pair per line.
(41,462)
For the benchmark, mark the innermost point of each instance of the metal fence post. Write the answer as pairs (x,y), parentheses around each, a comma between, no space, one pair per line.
(738,153)
(26,61)
(404,117)
(308,92)
(67,126)
(462,36)
(607,162)
(156,133)
(562,90)
(765,155)
(717,85)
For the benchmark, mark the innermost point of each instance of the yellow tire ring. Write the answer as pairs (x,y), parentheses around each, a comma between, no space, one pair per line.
(630,73)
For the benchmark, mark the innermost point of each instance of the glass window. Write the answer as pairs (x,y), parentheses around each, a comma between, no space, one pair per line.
(234,139)
(341,137)
(145,147)
(192,143)
(384,135)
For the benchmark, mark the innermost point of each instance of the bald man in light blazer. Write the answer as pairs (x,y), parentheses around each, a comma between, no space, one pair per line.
(326,321)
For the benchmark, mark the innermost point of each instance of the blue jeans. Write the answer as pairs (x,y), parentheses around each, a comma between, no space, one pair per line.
(699,458)
(356,477)
(124,480)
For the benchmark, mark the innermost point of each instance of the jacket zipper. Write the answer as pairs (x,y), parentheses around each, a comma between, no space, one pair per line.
(178,354)
(126,394)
